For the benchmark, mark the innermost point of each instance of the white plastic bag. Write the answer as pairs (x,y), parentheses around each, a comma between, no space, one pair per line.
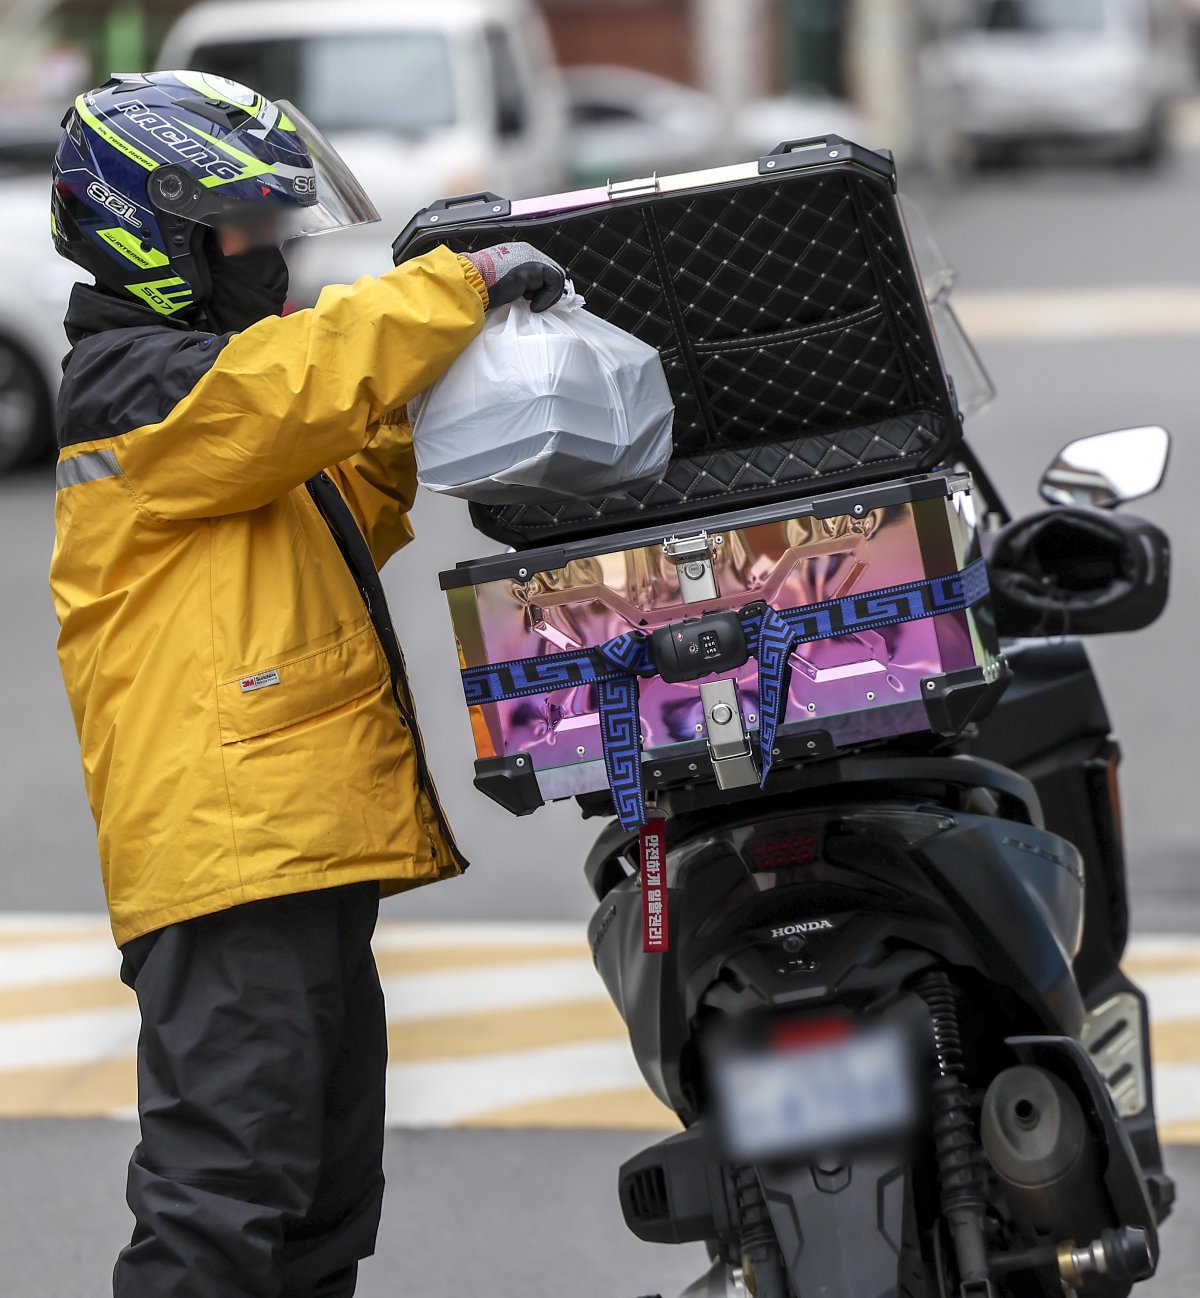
(544,405)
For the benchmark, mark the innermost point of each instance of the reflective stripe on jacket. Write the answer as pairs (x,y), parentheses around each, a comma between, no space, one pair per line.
(222,506)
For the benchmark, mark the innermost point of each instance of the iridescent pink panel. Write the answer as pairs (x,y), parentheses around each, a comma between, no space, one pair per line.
(857,687)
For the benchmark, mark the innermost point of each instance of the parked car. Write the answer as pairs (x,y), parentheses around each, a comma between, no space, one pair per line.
(764,123)
(420,99)
(627,123)
(1095,73)
(27,143)
(34,286)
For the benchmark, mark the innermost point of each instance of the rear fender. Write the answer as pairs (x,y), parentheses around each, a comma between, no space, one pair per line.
(840,1230)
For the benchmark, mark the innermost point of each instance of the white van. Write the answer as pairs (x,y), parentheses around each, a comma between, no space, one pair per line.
(1096,73)
(423,100)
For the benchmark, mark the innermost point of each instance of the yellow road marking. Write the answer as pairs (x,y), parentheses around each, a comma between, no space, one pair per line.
(63,997)
(97,993)
(406,949)
(97,1088)
(1176,1041)
(404,960)
(1155,962)
(636,1109)
(1180,1133)
(52,936)
(74,1091)
(495,1031)
(1067,315)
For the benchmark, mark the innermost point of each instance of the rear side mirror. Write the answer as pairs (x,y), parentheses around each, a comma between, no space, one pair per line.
(1108,469)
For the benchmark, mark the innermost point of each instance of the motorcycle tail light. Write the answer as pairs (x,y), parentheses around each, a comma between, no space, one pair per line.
(778,850)
(803,1034)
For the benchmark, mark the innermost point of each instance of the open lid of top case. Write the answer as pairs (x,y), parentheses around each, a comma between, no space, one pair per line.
(784,299)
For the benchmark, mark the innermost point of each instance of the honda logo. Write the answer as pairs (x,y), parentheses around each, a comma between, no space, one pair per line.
(803,926)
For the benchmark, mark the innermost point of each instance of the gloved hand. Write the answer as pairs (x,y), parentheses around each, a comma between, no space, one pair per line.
(513,270)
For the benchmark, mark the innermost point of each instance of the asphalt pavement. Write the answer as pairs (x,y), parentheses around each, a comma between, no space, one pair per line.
(535,1211)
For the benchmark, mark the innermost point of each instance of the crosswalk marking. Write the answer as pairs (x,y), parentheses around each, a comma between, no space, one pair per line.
(1078,315)
(32,964)
(445,1092)
(486,1033)
(633,1109)
(412,997)
(66,997)
(396,960)
(489,1024)
(1175,1041)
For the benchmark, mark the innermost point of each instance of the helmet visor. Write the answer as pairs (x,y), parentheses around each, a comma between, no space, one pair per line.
(338,200)
(305,189)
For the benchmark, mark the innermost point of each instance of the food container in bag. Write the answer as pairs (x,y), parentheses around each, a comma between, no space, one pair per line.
(542,406)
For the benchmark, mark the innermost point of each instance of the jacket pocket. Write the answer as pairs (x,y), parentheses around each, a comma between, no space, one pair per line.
(272,696)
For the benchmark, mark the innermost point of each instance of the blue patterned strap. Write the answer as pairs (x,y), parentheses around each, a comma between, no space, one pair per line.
(621,737)
(772,635)
(630,652)
(772,642)
(909,602)
(621,723)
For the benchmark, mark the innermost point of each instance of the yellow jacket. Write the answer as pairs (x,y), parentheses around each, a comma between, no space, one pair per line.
(223,504)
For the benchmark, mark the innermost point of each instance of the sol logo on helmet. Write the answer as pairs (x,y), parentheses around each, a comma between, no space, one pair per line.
(116,203)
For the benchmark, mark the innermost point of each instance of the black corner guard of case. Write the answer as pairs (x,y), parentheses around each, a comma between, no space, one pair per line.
(510,781)
(797,743)
(953,701)
(483,206)
(823,149)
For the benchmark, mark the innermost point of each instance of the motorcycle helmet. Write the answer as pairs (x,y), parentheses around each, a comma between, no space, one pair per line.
(1078,571)
(149,162)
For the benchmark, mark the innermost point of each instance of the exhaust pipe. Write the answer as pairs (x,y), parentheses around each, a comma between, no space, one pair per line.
(1037,1139)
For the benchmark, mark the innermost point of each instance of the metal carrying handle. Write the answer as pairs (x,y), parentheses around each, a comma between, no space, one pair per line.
(461,200)
(812,142)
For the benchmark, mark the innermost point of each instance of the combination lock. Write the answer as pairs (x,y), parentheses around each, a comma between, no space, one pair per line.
(686,651)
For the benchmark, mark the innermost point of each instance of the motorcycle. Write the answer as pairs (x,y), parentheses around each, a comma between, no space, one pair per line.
(876,865)
(891,1016)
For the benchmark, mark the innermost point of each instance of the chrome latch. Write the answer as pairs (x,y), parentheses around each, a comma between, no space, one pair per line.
(633,188)
(693,559)
(728,743)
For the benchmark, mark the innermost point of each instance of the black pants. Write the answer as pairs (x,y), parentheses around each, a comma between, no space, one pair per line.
(260,1091)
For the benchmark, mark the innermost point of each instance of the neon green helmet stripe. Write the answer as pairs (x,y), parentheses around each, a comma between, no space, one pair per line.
(106,133)
(166,296)
(251,166)
(131,249)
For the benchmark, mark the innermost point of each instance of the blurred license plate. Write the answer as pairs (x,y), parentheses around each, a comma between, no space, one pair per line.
(787,1102)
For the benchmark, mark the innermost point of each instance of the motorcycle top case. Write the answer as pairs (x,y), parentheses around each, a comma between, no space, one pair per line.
(784,300)
(900,640)
(811,404)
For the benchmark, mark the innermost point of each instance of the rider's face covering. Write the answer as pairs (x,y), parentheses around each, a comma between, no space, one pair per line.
(246,286)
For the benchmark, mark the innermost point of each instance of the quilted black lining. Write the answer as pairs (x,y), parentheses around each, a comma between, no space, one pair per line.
(792,329)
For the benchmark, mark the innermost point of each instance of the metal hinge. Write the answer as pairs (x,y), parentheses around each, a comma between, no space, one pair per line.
(633,188)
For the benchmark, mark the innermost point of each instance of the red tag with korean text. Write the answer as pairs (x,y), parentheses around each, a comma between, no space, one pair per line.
(653,843)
